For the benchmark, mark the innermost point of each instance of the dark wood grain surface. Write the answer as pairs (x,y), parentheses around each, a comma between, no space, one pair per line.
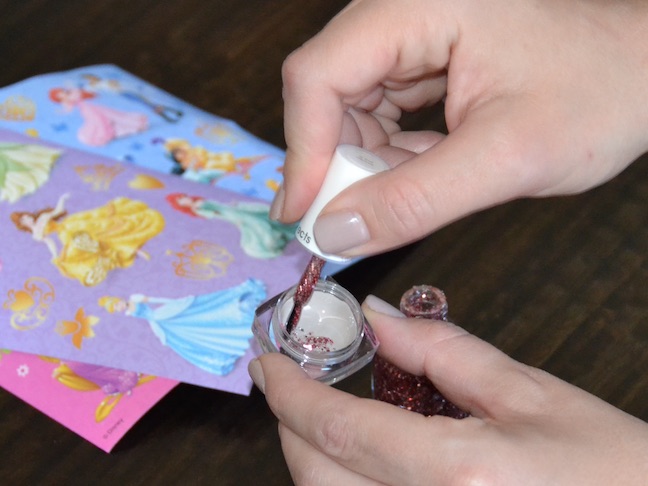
(559,283)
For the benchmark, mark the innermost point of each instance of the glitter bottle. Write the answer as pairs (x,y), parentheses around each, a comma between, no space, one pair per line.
(411,392)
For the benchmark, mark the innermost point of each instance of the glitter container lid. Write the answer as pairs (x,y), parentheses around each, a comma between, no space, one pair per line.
(331,340)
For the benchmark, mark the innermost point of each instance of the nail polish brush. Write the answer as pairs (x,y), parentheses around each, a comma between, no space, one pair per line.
(348,165)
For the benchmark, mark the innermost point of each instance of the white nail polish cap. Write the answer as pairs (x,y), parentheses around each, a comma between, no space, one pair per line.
(349,164)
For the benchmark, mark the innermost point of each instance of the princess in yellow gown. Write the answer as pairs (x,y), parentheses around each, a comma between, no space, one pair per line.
(196,163)
(95,241)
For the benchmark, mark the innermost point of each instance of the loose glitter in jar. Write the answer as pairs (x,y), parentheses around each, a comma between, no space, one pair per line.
(411,392)
(331,339)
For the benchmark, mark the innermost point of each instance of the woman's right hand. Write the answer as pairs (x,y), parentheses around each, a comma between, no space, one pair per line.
(541,99)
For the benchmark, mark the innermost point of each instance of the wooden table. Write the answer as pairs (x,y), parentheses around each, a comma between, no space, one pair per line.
(560,284)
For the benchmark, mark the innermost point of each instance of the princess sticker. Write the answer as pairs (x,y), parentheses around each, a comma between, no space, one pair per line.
(24,168)
(114,383)
(211,331)
(199,164)
(100,123)
(261,237)
(96,84)
(96,241)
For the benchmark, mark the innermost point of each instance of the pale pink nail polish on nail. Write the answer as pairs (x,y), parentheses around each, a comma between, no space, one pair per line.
(276,209)
(256,373)
(379,305)
(340,231)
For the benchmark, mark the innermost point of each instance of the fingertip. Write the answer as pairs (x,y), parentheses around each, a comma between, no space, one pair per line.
(339,232)
(256,373)
(376,304)
(303,172)
(277,207)
(273,368)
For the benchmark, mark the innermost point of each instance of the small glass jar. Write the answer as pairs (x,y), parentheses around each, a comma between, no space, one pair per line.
(332,338)
(416,393)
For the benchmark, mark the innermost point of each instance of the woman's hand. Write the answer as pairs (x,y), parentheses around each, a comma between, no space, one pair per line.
(541,99)
(526,427)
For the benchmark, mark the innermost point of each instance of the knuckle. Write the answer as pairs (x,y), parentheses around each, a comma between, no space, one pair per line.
(334,435)
(475,475)
(534,396)
(405,210)
(514,156)
(292,69)
(530,397)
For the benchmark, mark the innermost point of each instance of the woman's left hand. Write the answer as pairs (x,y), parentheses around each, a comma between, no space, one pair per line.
(526,426)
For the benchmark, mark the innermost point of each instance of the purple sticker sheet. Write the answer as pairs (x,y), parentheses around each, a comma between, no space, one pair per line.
(112,264)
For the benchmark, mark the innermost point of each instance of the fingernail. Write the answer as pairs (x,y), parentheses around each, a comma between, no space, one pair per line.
(256,373)
(378,305)
(340,231)
(276,209)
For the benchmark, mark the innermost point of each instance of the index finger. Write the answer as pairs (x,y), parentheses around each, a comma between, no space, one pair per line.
(359,433)
(344,66)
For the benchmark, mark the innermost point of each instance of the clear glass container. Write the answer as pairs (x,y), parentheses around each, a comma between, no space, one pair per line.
(332,338)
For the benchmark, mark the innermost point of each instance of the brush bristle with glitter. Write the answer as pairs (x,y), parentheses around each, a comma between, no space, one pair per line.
(304,290)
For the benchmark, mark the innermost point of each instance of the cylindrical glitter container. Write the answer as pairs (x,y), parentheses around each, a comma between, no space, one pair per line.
(332,338)
(411,392)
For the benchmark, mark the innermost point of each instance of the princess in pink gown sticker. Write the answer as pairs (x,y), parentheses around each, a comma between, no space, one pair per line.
(100,123)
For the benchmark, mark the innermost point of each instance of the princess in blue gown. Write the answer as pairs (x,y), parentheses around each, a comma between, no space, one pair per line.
(211,331)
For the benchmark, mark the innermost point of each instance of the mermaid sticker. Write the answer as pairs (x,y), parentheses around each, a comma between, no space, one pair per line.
(96,241)
(211,331)
(261,237)
(101,124)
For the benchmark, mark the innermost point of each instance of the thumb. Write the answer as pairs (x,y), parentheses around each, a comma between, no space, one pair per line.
(486,160)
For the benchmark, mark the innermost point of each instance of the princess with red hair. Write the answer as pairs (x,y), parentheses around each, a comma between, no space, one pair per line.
(261,237)
(100,123)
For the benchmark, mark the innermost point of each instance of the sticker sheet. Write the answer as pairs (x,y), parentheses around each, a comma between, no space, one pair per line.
(108,111)
(98,403)
(113,259)
(111,264)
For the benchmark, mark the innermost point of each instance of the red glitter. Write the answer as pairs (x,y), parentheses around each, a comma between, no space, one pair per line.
(304,290)
(411,392)
(322,344)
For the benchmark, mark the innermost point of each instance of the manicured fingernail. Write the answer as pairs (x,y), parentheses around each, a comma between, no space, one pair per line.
(256,373)
(276,209)
(340,231)
(378,305)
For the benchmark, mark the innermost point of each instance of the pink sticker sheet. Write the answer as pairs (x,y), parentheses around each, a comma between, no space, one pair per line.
(114,265)
(100,404)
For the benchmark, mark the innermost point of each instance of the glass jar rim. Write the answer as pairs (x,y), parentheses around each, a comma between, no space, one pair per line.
(295,349)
